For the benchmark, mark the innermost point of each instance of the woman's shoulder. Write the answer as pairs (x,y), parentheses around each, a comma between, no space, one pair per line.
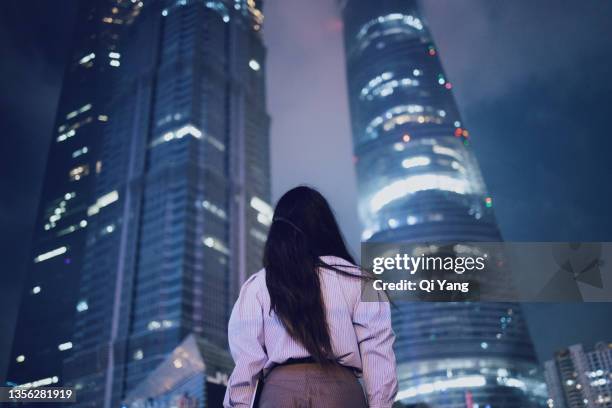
(254,283)
(335,262)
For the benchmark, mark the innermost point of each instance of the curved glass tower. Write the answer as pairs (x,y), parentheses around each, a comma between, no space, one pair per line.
(419,181)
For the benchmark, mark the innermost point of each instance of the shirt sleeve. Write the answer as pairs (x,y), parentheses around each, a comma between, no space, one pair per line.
(372,322)
(246,342)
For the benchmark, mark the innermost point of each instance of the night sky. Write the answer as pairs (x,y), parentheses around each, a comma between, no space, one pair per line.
(532,80)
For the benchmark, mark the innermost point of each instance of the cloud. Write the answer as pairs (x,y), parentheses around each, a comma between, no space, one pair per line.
(489,47)
(307,98)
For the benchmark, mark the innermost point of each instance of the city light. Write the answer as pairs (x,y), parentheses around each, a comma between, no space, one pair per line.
(416,162)
(470,381)
(51,254)
(254,65)
(413,184)
(103,201)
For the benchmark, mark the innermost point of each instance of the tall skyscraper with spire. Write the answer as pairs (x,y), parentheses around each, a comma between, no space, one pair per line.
(178,209)
(419,181)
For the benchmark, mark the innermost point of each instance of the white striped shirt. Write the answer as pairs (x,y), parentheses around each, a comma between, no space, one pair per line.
(360,333)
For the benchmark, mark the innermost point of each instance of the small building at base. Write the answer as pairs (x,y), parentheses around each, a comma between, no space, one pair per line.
(194,375)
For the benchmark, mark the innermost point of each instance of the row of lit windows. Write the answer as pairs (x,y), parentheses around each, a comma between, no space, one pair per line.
(385,84)
(188,130)
(408,20)
(214,209)
(401,114)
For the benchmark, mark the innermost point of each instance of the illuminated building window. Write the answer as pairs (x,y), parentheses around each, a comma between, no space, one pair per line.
(390,24)
(50,254)
(416,161)
(138,355)
(36,290)
(78,172)
(154,325)
(102,202)
(446,151)
(256,13)
(82,109)
(216,244)
(109,229)
(40,383)
(114,63)
(103,118)
(216,210)
(416,183)
(264,210)
(468,381)
(82,306)
(384,85)
(157,325)
(455,165)
(400,115)
(87,59)
(254,65)
(185,131)
(65,346)
(20,358)
(66,135)
(83,150)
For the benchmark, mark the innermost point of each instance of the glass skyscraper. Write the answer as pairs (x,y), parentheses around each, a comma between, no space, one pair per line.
(43,336)
(178,210)
(419,181)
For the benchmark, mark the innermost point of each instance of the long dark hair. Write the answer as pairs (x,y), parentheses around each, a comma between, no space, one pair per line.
(303,229)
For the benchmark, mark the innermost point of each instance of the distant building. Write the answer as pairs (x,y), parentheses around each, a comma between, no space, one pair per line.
(43,333)
(419,181)
(577,378)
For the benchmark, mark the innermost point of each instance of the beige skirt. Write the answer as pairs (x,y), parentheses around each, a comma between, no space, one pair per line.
(311,386)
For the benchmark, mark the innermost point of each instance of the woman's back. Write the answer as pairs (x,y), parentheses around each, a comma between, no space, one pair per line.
(302,317)
(360,333)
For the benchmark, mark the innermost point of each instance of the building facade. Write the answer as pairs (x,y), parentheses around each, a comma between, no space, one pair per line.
(419,181)
(193,375)
(178,210)
(43,336)
(579,378)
